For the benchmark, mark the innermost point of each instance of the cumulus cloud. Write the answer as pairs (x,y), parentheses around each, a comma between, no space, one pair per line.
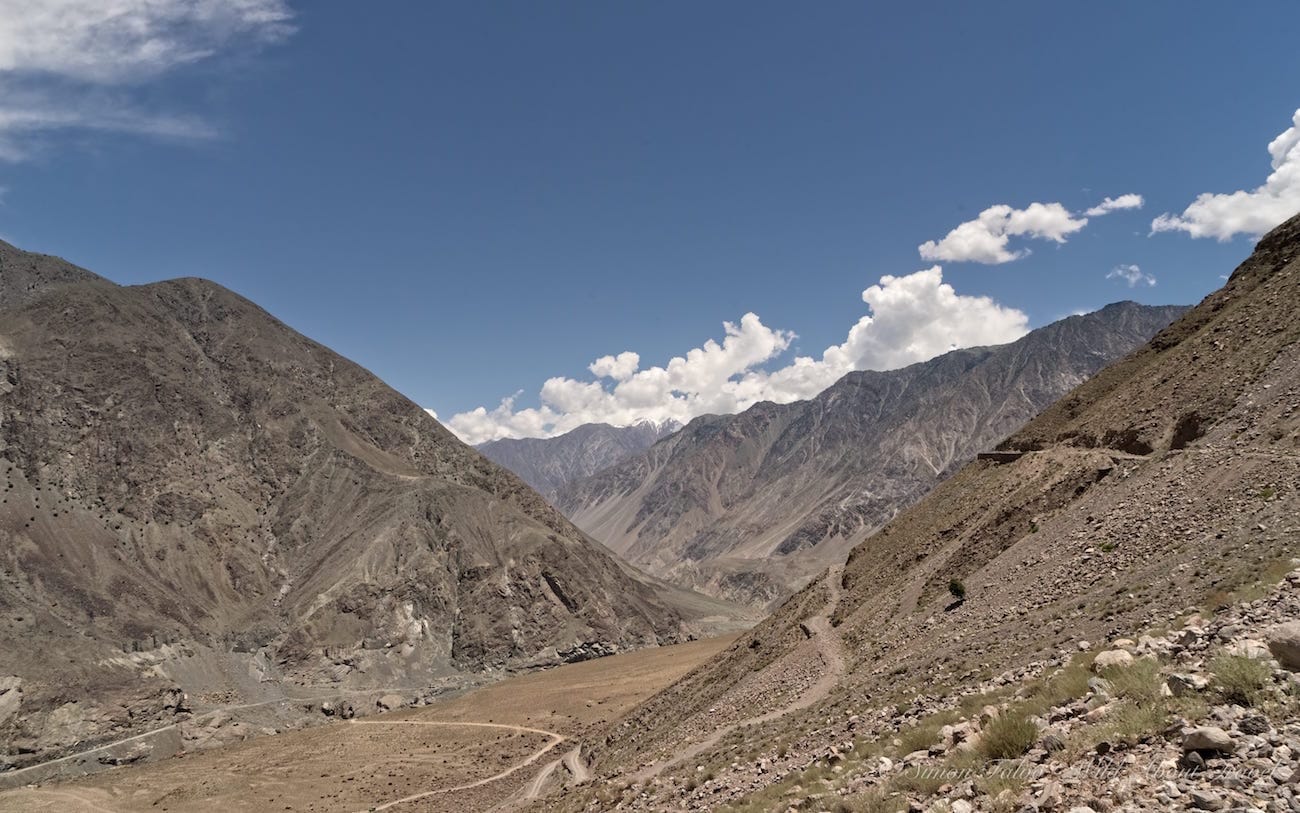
(1131,274)
(1254,212)
(987,238)
(619,368)
(910,318)
(1108,205)
(65,64)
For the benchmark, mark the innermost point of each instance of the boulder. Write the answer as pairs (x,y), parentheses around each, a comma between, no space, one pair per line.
(391,701)
(1248,648)
(1209,738)
(1112,658)
(1284,644)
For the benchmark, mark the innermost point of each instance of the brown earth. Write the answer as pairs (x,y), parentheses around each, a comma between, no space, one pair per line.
(482,749)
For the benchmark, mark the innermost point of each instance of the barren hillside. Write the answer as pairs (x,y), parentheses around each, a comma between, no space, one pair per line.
(1168,483)
(198,499)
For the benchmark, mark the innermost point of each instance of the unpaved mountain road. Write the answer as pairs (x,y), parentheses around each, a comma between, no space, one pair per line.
(555,739)
(478,751)
(49,770)
(572,761)
(828,647)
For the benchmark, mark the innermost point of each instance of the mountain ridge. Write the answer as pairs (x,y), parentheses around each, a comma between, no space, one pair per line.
(195,492)
(549,464)
(750,506)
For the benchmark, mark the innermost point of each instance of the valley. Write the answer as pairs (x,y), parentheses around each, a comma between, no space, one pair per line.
(496,746)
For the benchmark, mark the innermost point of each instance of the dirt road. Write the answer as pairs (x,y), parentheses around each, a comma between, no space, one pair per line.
(829,648)
(555,739)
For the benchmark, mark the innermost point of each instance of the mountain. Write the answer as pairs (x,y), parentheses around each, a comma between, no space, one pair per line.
(1150,513)
(549,464)
(198,499)
(751,506)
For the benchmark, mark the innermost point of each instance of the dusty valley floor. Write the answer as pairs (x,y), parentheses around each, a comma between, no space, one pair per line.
(490,748)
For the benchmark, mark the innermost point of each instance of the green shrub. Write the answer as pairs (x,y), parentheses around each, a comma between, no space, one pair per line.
(957,589)
(1065,686)
(1009,736)
(1239,679)
(1133,723)
(1140,681)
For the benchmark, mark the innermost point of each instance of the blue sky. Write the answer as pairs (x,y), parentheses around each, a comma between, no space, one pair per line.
(472,199)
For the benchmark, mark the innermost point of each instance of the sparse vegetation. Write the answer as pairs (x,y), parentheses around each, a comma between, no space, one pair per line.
(1067,684)
(1239,679)
(1139,682)
(1009,736)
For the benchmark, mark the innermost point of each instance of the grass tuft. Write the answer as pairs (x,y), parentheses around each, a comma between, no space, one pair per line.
(1239,679)
(1009,736)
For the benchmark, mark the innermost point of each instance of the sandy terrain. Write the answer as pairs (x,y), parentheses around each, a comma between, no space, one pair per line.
(482,750)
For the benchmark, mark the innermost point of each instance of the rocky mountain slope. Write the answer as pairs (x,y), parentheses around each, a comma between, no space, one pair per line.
(751,506)
(198,499)
(1165,487)
(549,464)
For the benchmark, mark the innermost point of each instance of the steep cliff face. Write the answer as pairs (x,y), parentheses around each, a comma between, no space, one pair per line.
(550,464)
(750,506)
(182,473)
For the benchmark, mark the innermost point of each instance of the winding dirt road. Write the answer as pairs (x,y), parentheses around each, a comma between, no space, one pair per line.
(555,739)
(830,648)
(571,761)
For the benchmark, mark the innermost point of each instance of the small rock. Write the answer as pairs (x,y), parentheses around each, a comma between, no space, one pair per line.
(1206,800)
(1254,724)
(1183,684)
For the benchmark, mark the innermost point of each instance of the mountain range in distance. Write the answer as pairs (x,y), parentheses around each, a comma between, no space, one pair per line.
(749,507)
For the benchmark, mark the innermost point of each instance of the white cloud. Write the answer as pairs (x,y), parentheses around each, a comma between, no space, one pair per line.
(619,367)
(1133,275)
(432,414)
(114,41)
(24,116)
(58,59)
(1108,205)
(911,318)
(1253,212)
(987,238)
